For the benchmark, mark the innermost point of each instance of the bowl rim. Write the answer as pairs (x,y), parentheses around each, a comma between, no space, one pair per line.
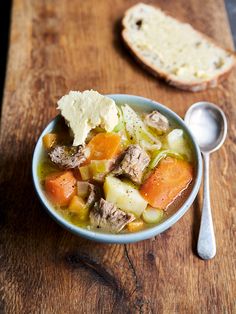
(127,237)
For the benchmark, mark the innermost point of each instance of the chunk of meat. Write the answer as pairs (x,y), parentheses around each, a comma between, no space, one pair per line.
(157,121)
(67,157)
(94,194)
(88,191)
(107,216)
(132,163)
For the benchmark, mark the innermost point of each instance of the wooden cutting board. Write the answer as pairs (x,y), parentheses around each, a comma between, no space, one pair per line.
(58,46)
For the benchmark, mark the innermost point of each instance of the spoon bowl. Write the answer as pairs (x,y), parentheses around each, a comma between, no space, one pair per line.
(209,127)
(208,124)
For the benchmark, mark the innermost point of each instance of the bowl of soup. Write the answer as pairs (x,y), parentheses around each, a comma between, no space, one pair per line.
(116,168)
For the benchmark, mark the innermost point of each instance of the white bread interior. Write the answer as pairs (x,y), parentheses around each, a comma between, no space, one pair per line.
(174,50)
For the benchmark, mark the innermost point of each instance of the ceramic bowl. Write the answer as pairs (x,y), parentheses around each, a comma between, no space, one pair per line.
(141,104)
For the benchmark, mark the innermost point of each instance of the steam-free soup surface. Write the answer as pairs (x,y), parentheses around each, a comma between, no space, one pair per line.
(118,181)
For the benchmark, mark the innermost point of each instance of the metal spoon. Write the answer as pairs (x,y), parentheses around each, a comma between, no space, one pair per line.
(209,127)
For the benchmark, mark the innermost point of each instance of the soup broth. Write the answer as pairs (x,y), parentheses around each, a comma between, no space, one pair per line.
(121,181)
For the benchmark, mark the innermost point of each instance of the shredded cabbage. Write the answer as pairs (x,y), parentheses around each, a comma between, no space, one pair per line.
(158,155)
(137,130)
(121,130)
(149,147)
(177,143)
(120,124)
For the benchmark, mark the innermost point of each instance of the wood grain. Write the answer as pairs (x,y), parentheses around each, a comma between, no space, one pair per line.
(57,46)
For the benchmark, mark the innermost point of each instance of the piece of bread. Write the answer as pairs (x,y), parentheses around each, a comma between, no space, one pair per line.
(174,50)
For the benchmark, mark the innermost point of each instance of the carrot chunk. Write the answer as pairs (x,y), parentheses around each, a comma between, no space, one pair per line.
(49,140)
(167,181)
(104,146)
(60,187)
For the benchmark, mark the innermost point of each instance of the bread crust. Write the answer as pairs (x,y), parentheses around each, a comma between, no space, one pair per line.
(170,79)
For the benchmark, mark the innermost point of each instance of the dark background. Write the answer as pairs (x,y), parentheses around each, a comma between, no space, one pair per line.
(5,12)
(231,9)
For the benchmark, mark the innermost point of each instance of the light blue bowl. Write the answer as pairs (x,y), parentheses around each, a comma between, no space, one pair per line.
(141,104)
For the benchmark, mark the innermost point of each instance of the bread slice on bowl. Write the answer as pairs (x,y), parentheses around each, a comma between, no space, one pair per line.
(173,50)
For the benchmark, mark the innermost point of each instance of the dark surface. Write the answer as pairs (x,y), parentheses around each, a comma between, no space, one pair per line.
(5,9)
(231,9)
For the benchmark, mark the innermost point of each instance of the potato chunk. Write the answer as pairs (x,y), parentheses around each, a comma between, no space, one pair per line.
(152,215)
(124,196)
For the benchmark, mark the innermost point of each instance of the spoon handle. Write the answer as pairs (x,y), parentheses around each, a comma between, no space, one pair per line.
(206,246)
